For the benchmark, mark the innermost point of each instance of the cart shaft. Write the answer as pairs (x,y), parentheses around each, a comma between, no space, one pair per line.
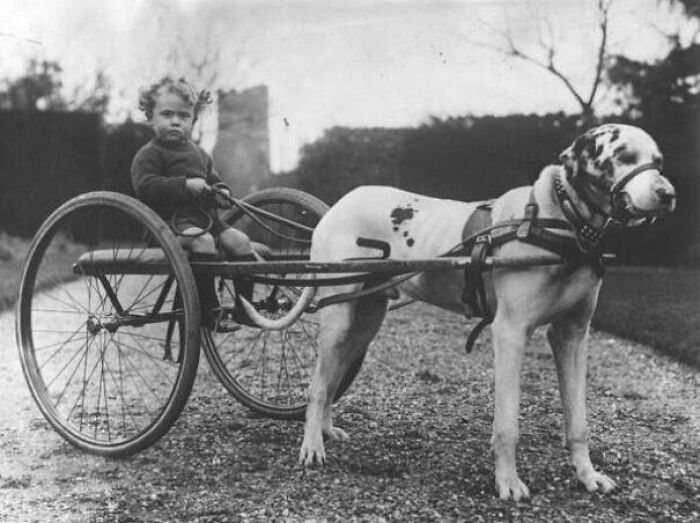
(96,265)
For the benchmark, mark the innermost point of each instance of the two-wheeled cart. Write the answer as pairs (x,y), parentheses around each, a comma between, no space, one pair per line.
(108,316)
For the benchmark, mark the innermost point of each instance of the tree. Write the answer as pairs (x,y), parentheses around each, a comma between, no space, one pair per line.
(38,89)
(673,80)
(93,98)
(199,46)
(546,58)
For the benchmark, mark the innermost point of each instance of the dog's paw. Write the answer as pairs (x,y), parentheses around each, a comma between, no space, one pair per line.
(336,434)
(510,487)
(311,456)
(596,482)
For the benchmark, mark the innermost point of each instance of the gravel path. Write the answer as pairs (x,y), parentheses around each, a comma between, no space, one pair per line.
(419,416)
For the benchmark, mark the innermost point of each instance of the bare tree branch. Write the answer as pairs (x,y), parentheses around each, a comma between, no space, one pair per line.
(547,42)
(603,8)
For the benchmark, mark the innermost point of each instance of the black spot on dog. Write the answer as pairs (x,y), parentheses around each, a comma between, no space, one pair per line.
(591,148)
(598,151)
(410,242)
(396,229)
(401,214)
(405,233)
(579,144)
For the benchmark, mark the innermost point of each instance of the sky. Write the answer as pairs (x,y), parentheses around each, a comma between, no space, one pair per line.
(361,63)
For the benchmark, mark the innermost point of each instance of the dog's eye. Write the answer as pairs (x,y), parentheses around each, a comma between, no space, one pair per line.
(627,157)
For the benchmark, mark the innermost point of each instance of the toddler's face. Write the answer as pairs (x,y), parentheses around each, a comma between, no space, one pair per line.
(172,118)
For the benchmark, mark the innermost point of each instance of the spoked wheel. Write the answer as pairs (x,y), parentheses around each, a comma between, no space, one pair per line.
(270,371)
(108,324)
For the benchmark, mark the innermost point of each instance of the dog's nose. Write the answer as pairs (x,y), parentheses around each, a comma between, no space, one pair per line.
(666,197)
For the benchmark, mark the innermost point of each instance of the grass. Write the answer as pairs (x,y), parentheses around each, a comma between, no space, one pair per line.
(12,253)
(14,250)
(659,307)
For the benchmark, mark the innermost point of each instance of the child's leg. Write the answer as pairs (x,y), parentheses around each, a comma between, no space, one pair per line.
(195,240)
(236,244)
(203,248)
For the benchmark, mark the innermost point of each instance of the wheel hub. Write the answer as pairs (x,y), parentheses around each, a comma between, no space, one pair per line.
(95,324)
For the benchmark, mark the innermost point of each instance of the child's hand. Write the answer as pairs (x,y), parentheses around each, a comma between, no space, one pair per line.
(196,186)
(222,198)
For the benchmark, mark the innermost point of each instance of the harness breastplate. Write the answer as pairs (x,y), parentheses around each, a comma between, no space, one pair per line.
(480,237)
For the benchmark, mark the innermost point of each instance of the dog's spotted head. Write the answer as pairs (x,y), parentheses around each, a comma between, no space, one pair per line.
(624,164)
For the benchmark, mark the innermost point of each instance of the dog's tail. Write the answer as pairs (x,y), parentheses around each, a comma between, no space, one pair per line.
(284,322)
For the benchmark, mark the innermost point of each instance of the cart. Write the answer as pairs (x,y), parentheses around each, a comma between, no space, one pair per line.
(108,316)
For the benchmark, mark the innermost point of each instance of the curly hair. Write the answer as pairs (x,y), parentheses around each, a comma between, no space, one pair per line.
(181,87)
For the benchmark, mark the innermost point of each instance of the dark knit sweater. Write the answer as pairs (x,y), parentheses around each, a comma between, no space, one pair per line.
(159,172)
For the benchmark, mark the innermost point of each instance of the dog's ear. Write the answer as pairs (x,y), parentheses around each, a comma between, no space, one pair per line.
(577,154)
(568,162)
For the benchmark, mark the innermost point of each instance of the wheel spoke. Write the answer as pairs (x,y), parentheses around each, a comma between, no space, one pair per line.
(270,371)
(91,348)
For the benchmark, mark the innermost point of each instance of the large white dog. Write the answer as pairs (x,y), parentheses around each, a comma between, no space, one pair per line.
(611,175)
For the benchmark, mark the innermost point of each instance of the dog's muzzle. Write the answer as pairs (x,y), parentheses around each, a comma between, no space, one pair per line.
(624,213)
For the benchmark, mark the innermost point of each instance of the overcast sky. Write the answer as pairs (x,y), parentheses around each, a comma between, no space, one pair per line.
(353,63)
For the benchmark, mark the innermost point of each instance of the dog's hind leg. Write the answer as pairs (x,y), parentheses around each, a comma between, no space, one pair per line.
(509,342)
(346,331)
(568,340)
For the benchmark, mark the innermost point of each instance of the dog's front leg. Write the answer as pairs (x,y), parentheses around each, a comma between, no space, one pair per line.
(568,341)
(508,344)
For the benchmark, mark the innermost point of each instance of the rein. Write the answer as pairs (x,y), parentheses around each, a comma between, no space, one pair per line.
(217,198)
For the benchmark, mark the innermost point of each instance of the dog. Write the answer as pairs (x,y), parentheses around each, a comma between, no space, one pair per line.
(610,175)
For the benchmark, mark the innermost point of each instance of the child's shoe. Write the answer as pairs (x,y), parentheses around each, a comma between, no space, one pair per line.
(225,324)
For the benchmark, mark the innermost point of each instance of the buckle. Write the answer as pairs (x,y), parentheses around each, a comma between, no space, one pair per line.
(612,223)
(530,215)
(483,238)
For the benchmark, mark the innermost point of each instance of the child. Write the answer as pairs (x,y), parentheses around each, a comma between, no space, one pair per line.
(175,176)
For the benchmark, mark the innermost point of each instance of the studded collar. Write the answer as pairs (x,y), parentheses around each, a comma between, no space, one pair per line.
(588,237)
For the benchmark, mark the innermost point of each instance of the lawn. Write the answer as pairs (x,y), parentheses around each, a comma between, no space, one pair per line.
(14,250)
(656,306)
(12,253)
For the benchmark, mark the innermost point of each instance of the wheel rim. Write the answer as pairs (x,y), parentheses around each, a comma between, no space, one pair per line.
(270,371)
(104,369)
(271,368)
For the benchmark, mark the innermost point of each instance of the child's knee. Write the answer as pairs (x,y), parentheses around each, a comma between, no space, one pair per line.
(202,244)
(235,242)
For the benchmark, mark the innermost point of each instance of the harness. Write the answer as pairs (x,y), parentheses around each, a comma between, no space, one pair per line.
(583,248)
(531,230)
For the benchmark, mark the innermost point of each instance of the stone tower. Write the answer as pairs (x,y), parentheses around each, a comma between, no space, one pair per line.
(242,150)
